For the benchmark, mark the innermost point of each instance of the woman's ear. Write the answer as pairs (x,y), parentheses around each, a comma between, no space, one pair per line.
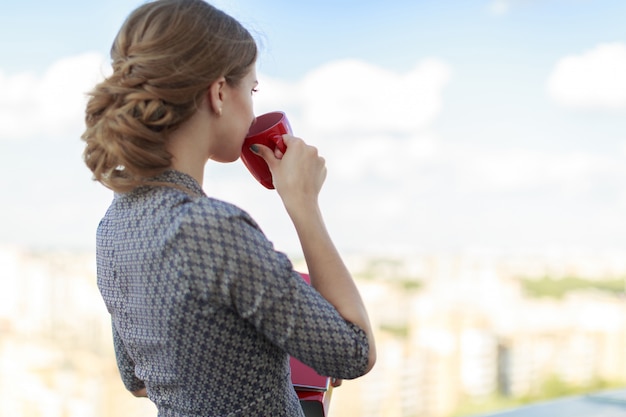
(215,95)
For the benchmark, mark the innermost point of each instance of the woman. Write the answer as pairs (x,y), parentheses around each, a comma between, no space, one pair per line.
(204,311)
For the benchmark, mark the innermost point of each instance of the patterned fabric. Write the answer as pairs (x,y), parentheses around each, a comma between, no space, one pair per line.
(205,312)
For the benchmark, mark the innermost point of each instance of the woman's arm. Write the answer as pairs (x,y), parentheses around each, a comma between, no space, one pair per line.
(298,178)
(329,275)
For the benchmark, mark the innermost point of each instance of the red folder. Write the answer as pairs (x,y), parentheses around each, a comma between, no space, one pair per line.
(313,389)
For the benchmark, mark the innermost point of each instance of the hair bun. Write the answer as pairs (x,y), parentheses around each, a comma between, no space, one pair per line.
(165,56)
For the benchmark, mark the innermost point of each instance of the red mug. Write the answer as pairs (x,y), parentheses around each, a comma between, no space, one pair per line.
(268,129)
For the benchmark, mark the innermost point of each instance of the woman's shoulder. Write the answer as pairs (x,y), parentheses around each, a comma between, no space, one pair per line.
(203,210)
(187,197)
(214,207)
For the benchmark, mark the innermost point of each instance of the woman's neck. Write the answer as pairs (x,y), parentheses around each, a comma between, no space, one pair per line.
(188,146)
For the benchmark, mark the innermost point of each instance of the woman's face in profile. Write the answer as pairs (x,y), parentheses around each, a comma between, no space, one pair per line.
(237,116)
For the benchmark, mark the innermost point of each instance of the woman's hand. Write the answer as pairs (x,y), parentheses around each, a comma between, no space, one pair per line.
(298,174)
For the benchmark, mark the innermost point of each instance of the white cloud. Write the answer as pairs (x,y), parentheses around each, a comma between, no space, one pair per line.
(351,95)
(394,173)
(356,97)
(392,179)
(593,79)
(512,170)
(382,157)
(367,121)
(50,104)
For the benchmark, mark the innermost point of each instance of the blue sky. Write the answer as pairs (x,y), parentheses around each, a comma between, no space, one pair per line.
(302,35)
(446,124)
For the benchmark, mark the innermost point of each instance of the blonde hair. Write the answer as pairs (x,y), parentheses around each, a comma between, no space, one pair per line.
(164,58)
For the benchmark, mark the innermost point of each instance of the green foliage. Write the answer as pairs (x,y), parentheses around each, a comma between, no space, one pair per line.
(557,288)
(407,284)
(487,405)
(401,331)
(411,285)
(555,387)
(389,270)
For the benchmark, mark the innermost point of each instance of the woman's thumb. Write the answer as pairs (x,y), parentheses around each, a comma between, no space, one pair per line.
(264,152)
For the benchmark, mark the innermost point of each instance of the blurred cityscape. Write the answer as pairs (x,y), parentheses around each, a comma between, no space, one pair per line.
(457,334)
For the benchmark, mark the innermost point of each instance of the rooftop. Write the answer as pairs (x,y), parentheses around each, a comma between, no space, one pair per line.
(601,404)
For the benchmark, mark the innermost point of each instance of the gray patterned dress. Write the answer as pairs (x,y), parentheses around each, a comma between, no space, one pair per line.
(205,312)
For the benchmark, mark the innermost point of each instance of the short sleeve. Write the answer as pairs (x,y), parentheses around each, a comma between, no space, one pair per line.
(262,286)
